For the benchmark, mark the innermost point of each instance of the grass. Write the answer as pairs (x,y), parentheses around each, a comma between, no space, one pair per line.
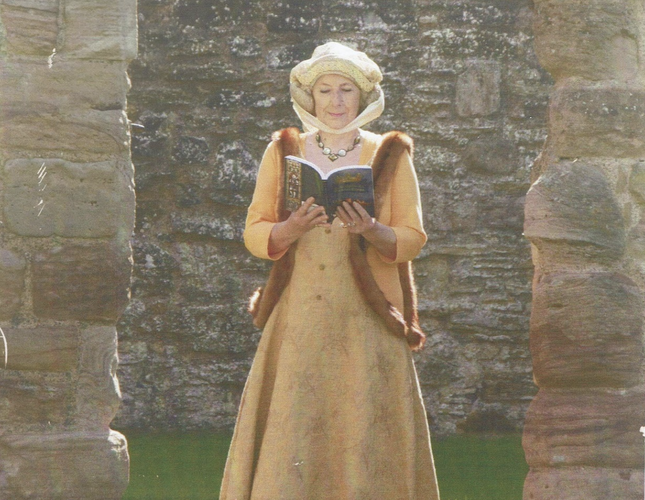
(474,468)
(189,467)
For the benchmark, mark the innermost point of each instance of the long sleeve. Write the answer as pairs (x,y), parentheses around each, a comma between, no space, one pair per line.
(263,214)
(405,216)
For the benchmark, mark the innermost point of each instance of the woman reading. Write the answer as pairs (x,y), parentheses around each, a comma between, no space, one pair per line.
(332,407)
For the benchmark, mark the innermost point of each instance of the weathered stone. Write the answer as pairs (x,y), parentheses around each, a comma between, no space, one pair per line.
(208,13)
(288,56)
(71,466)
(103,134)
(245,46)
(581,438)
(66,173)
(572,213)
(478,89)
(227,228)
(150,139)
(602,122)
(493,157)
(81,282)
(586,330)
(583,483)
(236,172)
(30,26)
(189,150)
(156,269)
(33,402)
(12,277)
(591,39)
(464,43)
(101,29)
(64,84)
(585,427)
(53,349)
(45,197)
(294,16)
(637,181)
(636,244)
(98,394)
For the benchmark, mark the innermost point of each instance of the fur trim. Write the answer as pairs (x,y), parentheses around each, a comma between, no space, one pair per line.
(385,163)
(370,290)
(416,338)
(384,167)
(263,300)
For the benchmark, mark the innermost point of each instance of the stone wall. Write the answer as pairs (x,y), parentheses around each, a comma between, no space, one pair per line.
(584,218)
(66,218)
(210,86)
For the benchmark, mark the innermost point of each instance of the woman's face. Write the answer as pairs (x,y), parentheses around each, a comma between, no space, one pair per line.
(336,100)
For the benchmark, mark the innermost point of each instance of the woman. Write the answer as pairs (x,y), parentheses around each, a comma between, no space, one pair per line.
(332,407)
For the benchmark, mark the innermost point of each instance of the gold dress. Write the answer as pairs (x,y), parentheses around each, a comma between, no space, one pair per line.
(332,407)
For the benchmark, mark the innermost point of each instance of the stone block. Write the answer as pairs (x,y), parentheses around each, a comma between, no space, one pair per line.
(586,330)
(101,29)
(287,56)
(81,282)
(591,39)
(478,87)
(225,228)
(51,349)
(245,47)
(33,401)
(45,197)
(584,483)
(236,173)
(64,85)
(30,27)
(636,244)
(81,136)
(98,394)
(585,427)
(191,150)
(218,13)
(70,466)
(637,181)
(12,277)
(294,16)
(572,213)
(597,122)
(492,157)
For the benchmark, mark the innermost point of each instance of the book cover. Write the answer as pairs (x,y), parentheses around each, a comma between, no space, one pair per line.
(304,179)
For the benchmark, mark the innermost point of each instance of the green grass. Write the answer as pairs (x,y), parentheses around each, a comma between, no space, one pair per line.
(473,468)
(189,467)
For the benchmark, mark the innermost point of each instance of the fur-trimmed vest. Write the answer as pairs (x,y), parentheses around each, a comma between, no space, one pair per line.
(405,324)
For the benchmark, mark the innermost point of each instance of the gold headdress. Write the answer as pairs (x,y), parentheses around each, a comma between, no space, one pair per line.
(338,59)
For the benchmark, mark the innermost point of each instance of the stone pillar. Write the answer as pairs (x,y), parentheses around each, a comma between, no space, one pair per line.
(585,218)
(67,212)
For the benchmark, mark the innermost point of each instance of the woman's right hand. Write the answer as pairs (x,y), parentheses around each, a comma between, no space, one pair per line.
(299,222)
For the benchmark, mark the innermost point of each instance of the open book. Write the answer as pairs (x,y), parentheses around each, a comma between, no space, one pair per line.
(304,179)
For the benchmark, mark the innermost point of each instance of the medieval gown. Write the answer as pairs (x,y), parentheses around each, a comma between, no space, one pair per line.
(332,407)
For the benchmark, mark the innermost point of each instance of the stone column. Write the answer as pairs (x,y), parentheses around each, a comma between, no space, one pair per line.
(67,212)
(585,218)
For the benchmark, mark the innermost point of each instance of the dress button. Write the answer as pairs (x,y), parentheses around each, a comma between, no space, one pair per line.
(319,297)
(328,230)
(321,267)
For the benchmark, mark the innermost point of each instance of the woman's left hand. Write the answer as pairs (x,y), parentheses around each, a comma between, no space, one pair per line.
(355,218)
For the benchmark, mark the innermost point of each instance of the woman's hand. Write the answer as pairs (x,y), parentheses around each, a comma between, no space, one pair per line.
(356,220)
(299,222)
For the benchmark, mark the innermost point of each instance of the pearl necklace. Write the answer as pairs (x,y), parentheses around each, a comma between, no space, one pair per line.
(341,152)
